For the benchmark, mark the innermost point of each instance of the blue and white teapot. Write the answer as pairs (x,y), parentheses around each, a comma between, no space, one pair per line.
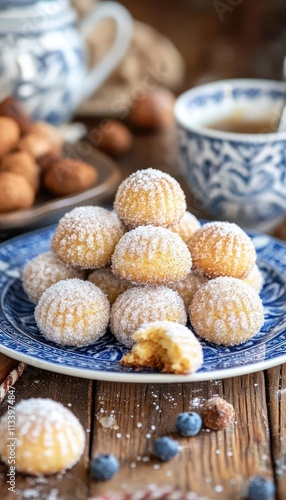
(43,57)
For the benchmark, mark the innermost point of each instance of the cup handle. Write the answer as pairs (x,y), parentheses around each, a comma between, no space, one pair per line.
(124,28)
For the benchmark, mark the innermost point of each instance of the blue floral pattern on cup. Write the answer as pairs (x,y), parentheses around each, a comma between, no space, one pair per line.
(242,178)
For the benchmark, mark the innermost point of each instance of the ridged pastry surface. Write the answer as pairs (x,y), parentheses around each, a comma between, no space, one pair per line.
(44,271)
(150,197)
(187,287)
(109,283)
(226,311)
(140,305)
(151,255)
(73,312)
(222,249)
(187,226)
(86,237)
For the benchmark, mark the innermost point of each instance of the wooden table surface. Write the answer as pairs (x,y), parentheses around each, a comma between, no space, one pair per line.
(214,465)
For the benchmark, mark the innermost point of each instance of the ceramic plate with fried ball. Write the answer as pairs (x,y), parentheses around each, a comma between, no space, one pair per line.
(21,339)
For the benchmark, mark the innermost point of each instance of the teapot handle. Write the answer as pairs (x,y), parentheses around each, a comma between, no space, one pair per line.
(124,28)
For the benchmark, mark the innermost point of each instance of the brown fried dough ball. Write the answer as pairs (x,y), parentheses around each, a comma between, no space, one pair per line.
(16,192)
(150,197)
(222,249)
(23,164)
(68,176)
(9,135)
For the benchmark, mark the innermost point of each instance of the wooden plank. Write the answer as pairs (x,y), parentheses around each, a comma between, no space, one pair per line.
(6,365)
(213,464)
(276,394)
(75,394)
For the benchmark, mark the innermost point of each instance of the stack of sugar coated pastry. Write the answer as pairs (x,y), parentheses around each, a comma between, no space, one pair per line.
(150,265)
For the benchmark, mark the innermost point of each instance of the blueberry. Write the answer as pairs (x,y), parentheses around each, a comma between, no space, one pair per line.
(260,488)
(103,467)
(188,424)
(165,448)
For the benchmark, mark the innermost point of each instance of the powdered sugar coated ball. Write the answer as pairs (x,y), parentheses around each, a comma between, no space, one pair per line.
(48,437)
(187,287)
(150,197)
(43,271)
(86,237)
(187,226)
(222,249)
(151,255)
(255,278)
(109,283)
(73,312)
(226,311)
(140,305)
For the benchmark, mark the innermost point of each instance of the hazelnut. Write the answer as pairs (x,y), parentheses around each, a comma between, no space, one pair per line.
(9,135)
(35,145)
(16,192)
(154,110)
(217,413)
(114,138)
(49,132)
(69,176)
(23,164)
(12,108)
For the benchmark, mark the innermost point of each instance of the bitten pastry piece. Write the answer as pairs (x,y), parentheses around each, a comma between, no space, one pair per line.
(9,134)
(48,437)
(222,249)
(187,226)
(151,255)
(16,192)
(150,197)
(165,346)
(68,176)
(226,311)
(255,278)
(23,164)
(140,305)
(86,237)
(73,312)
(187,287)
(109,283)
(44,271)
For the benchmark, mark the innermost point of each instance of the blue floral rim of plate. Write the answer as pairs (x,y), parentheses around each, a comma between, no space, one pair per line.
(20,338)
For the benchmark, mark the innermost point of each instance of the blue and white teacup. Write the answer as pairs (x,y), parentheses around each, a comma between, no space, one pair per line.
(43,54)
(240,177)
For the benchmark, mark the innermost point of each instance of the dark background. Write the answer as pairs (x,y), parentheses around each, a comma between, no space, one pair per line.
(221,38)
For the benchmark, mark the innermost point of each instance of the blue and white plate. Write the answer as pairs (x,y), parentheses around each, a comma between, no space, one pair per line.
(20,338)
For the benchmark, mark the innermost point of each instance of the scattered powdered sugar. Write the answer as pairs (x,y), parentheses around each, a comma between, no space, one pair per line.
(226,311)
(73,312)
(222,249)
(151,255)
(150,197)
(140,305)
(86,237)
